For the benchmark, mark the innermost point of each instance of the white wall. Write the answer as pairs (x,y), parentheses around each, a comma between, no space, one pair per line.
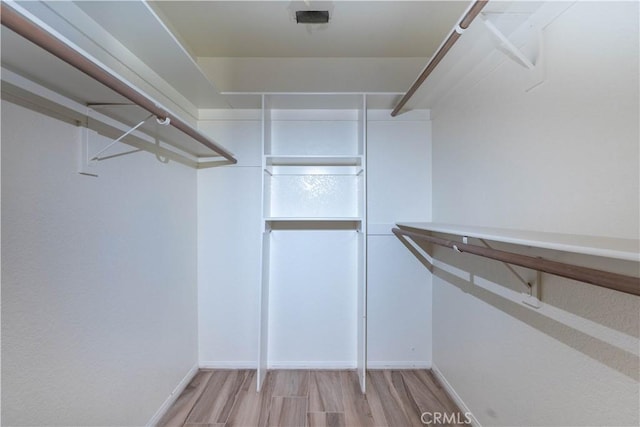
(229,242)
(562,157)
(98,279)
(312,299)
(398,286)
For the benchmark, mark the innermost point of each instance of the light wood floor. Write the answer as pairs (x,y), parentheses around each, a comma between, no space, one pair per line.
(308,398)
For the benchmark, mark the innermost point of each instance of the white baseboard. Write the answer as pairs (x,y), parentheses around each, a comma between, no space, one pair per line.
(312,365)
(217,364)
(418,364)
(234,364)
(455,396)
(173,396)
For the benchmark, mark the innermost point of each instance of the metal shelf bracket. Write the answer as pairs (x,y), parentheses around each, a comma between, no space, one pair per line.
(89,161)
(536,66)
(531,296)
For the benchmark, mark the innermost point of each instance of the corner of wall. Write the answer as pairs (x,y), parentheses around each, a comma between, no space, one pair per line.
(173,396)
(455,396)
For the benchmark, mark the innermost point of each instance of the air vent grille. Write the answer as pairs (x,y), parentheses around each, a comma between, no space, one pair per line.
(312,16)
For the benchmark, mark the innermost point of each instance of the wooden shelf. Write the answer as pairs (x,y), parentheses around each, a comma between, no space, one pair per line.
(609,247)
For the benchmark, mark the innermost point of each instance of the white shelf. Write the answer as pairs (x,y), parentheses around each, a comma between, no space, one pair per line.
(292,160)
(310,170)
(306,223)
(313,219)
(609,247)
(44,81)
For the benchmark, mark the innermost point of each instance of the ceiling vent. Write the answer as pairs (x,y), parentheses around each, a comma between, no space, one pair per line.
(312,16)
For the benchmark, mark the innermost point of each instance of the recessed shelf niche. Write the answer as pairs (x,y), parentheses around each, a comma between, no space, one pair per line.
(314,199)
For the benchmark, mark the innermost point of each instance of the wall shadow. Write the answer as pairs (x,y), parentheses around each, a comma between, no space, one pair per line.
(574,311)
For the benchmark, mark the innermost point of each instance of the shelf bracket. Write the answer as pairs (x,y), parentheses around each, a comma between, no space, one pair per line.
(536,67)
(531,296)
(87,160)
(96,157)
(85,167)
(507,44)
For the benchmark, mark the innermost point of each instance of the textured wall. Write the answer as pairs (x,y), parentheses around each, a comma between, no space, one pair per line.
(98,279)
(562,157)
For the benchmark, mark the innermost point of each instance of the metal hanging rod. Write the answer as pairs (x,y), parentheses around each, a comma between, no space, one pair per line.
(455,34)
(40,37)
(605,279)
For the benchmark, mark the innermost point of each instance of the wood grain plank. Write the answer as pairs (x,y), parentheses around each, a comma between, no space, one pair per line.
(218,398)
(421,394)
(231,388)
(252,408)
(392,407)
(394,398)
(424,397)
(356,406)
(326,419)
(375,403)
(431,382)
(288,412)
(325,391)
(179,411)
(290,383)
(211,401)
(411,409)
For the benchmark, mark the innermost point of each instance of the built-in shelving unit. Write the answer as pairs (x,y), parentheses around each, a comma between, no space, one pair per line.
(313,158)
(314,205)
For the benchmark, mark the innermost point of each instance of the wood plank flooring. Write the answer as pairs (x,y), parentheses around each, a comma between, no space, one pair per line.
(299,398)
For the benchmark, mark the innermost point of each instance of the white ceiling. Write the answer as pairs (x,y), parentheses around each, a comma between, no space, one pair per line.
(213,56)
(384,29)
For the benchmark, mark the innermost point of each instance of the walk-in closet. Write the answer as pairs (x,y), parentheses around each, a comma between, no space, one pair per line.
(320,213)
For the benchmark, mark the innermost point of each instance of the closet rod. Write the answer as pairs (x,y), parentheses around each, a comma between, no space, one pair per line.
(605,279)
(30,31)
(473,11)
